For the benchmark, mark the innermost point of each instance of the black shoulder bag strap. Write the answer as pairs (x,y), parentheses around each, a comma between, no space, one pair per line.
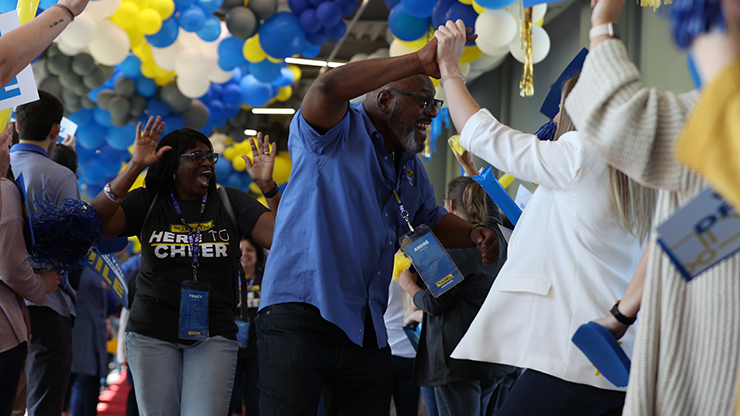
(240,271)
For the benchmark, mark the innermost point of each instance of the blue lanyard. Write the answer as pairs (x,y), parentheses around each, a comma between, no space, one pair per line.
(404,212)
(193,233)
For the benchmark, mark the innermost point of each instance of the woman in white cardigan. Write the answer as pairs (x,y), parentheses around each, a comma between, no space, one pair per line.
(573,251)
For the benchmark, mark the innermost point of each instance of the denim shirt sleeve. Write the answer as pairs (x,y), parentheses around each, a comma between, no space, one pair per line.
(313,141)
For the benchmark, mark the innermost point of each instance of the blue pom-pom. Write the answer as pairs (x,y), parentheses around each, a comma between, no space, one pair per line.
(547,131)
(64,234)
(690,18)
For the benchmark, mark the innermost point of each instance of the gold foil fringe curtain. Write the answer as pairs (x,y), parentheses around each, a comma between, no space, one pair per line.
(526,85)
(653,3)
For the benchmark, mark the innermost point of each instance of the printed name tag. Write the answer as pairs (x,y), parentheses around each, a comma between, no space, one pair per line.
(701,234)
(242,337)
(431,261)
(194,310)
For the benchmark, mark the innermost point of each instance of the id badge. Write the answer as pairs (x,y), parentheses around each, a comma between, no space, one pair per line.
(431,261)
(243,335)
(194,310)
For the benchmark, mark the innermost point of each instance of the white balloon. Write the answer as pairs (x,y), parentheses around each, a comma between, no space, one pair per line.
(218,147)
(495,28)
(397,49)
(358,57)
(538,12)
(193,87)
(380,53)
(216,74)
(68,50)
(208,50)
(111,45)
(540,45)
(190,64)
(188,39)
(516,9)
(492,50)
(165,57)
(80,32)
(102,9)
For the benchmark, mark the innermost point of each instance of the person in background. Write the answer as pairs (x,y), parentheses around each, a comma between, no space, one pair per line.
(187,236)
(247,368)
(17,281)
(64,153)
(461,387)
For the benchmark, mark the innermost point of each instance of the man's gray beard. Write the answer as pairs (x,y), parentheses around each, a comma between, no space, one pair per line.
(406,135)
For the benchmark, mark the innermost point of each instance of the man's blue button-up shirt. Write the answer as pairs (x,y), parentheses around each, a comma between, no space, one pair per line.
(338,225)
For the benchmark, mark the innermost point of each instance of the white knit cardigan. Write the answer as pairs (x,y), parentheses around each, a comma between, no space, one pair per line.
(688,342)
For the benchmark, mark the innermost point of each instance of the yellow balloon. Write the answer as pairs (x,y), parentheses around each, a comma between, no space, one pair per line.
(26,10)
(229,153)
(296,71)
(253,51)
(540,22)
(471,53)
(165,8)
(126,15)
(149,21)
(478,8)
(435,81)
(465,1)
(144,52)
(148,69)
(135,36)
(162,81)
(254,188)
(262,200)
(282,167)
(273,60)
(285,93)
(415,44)
(239,164)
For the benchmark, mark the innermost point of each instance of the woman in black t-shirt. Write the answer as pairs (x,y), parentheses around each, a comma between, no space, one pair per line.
(181,336)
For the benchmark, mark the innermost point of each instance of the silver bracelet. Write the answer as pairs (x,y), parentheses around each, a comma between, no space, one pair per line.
(448,76)
(67,9)
(110,195)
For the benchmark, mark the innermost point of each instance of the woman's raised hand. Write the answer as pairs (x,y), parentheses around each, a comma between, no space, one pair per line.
(145,144)
(264,161)
(451,39)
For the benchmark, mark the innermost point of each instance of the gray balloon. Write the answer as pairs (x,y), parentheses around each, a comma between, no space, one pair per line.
(73,107)
(104,98)
(119,120)
(83,64)
(52,50)
(58,64)
(69,96)
(70,80)
(238,120)
(81,90)
(87,103)
(264,9)
(237,135)
(138,105)
(125,87)
(107,70)
(174,99)
(241,22)
(51,85)
(230,4)
(222,129)
(196,116)
(95,79)
(119,106)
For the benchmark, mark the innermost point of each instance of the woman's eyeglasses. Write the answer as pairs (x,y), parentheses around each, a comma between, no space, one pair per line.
(198,157)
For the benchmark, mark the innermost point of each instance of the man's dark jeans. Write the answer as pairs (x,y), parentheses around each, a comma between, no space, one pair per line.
(302,356)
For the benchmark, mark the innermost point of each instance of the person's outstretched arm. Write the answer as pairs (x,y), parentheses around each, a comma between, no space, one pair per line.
(22,45)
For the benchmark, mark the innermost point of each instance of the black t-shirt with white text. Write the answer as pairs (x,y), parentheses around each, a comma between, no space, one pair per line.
(166,259)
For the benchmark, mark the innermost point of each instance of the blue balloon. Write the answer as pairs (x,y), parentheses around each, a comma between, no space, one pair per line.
(82,118)
(211,29)
(255,93)
(265,71)
(316,39)
(335,32)
(91,136)
(281,36)
(173,122)
(231,94)
(45,4)
(121,138)
(8,5)
(166,36)
(146,87)
(419,8)
(102,117)
(83,153)
(210,6)
(308,21)
(316,3)
(230,52)
(494,4)
(224,65)
(192,19)
(131,66)
(216,108)
(464,12)
(296,6)
(328,13)
(311,51)
(218,121)
(440,11)
(181,5)
(93,171)
(108,154)
(235,181)
(157,108)
(390,4)
(405,26)
(216,90)
(223,169)
(230,109)
(287,77)
(347,6)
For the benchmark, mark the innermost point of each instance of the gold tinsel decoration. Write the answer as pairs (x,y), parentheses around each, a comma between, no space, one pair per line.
(526,86)
(653,3)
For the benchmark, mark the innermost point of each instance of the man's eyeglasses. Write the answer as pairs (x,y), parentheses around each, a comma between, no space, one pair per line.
(430,104)
(198,157)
